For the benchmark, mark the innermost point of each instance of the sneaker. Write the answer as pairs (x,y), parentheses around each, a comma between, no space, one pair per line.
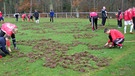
(131,32)
(119,27)
(120,47)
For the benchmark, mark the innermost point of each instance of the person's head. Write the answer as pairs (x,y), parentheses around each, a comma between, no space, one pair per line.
(15,30)
(104,7)
(119,9)
(7,37)
(106,30)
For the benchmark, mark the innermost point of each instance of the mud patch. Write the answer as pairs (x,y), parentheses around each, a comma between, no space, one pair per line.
(86,35)
(54,54)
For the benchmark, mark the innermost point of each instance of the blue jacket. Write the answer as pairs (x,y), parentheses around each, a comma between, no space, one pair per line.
(51,13)
(3,45)
(36,14)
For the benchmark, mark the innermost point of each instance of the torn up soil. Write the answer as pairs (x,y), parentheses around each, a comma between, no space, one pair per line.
(54,54)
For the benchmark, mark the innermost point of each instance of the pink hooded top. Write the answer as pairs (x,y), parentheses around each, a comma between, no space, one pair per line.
(23,15)
(120,16)
(133,11)
(0,14)
(8,28)
(128,15)
(93,14)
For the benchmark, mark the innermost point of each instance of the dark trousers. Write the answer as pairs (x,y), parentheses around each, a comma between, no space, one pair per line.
(36,18)
(133,22)
(119,23)
(51,19)
(94,23)
(103,20)
(16,18)
(117,41)
(2,53)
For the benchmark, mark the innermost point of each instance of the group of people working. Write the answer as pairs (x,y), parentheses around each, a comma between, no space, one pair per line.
(35,14)
(115,36)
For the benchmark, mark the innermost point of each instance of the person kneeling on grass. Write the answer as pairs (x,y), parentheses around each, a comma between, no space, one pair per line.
(3,42)
(10,30)
(115,36)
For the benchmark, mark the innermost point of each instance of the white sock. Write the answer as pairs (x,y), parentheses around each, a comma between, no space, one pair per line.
(125,28)
(37,21)
(131,28)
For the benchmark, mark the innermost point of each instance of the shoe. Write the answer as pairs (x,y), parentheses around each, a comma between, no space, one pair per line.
(131,32)
(119,27)
(120,47)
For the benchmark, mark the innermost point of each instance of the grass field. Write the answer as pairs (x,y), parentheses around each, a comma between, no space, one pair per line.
(67,47)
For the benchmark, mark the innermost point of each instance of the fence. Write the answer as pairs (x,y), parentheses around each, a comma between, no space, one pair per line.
(69,15)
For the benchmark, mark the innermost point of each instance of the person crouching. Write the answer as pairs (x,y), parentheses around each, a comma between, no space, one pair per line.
(3,42)
(115,36)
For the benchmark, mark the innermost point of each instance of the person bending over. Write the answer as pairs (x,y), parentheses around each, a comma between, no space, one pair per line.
(115,37)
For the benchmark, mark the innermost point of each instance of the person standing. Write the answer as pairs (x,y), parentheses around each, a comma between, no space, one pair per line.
(36,15)
(119,18)
(115,36)
(128,20)
(104,15)
(10,30)
(16,16)
(51,15)
(94,20)
(133,18)
(1,17)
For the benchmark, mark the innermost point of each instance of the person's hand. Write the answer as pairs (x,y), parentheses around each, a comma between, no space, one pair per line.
(9,49)
(110,46)
(106,44)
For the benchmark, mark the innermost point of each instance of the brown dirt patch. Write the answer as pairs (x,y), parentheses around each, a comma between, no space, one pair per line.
(54,54)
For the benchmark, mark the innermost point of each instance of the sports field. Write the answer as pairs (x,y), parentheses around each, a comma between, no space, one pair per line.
(67,47)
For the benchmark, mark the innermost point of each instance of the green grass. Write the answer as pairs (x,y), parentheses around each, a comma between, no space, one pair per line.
(63,30)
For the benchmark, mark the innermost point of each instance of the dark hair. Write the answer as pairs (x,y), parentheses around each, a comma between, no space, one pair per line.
(119,8)
(105,30)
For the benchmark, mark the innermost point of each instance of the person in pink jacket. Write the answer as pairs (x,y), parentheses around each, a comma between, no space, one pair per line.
(94,20)
(133,18)
(119,17)
(24,17)
(10,30)
(30,17)
(128,20)
(1,17)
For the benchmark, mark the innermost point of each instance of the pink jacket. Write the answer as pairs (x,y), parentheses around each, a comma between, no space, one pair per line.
(133,12)
(8,28)
(0,14)
(23,15)
(93,14)
(128,15)
(120,16)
